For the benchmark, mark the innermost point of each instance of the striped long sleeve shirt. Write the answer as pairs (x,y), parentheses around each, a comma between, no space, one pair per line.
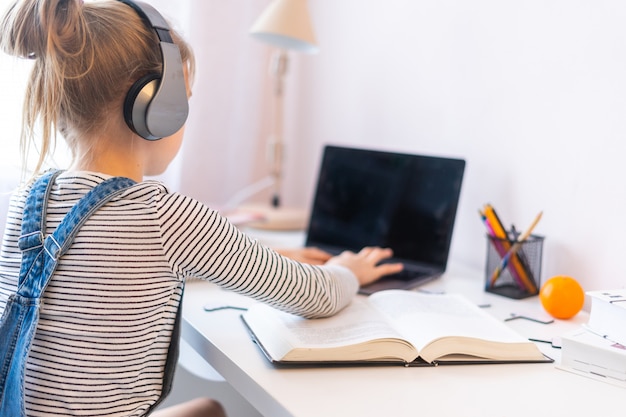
(107,315)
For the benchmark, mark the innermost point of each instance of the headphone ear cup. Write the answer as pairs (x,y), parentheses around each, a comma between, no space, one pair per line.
(136,104)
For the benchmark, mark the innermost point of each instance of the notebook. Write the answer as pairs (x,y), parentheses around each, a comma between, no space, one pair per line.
(375,198)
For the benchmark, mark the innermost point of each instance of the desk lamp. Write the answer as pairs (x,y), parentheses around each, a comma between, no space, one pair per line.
(284,24)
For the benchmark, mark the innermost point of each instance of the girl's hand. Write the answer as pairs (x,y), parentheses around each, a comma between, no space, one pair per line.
(366,263)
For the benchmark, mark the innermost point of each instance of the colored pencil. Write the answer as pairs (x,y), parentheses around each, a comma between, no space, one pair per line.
(513,250)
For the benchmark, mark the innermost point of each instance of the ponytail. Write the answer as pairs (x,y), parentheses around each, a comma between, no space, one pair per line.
(52,32)
(43,28)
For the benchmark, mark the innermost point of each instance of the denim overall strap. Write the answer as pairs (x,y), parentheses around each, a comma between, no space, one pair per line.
(34,221)
(39,260)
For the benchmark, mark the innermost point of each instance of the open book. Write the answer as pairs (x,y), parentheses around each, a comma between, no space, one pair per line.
(392,326)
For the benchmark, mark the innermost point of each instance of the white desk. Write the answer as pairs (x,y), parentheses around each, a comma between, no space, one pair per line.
(467,390)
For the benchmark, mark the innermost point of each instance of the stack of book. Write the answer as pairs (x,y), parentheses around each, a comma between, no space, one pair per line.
(598,349)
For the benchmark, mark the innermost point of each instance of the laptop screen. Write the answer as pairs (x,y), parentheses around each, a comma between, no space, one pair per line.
(373,198)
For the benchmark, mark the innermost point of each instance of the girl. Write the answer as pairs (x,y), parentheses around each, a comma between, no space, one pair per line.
(109,313)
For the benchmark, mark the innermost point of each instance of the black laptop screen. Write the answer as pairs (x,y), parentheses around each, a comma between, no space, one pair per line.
(405,202)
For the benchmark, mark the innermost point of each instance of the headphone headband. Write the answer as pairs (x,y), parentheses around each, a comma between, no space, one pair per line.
(156,105)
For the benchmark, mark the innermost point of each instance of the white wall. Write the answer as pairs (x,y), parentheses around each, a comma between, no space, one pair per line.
(531,93)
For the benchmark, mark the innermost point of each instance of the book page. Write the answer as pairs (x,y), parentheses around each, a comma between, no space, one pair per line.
(357,323)
(422,318)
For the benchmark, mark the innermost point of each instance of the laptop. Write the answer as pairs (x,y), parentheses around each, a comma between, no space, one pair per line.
(374,198)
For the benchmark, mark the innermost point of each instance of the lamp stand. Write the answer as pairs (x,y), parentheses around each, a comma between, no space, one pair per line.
(275,216)
(275,150)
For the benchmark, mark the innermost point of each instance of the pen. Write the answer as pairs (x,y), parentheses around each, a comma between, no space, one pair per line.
(502,245)
(513,250)
(496,242)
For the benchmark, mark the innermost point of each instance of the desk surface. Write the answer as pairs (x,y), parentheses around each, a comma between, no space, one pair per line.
(465,390)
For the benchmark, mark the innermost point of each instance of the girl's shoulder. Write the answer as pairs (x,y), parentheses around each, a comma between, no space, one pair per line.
(71,185)
(81,181)
(151,195)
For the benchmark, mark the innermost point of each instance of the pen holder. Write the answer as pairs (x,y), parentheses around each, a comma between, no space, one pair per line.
(519,276)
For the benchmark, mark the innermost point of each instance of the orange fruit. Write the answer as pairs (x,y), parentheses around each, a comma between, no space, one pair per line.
(562,297)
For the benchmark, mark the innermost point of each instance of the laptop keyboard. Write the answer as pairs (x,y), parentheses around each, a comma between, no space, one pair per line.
(405,275)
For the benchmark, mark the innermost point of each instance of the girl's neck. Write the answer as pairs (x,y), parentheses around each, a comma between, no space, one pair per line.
(111,156)
(113,167)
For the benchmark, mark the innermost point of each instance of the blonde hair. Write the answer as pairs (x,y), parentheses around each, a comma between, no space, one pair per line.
(87,55)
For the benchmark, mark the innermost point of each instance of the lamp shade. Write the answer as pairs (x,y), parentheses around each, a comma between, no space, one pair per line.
(286,24)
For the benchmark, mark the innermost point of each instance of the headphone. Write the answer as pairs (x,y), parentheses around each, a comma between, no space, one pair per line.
(156,105)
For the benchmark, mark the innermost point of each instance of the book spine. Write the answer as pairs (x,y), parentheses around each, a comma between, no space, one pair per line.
(608,319)
(588,358)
